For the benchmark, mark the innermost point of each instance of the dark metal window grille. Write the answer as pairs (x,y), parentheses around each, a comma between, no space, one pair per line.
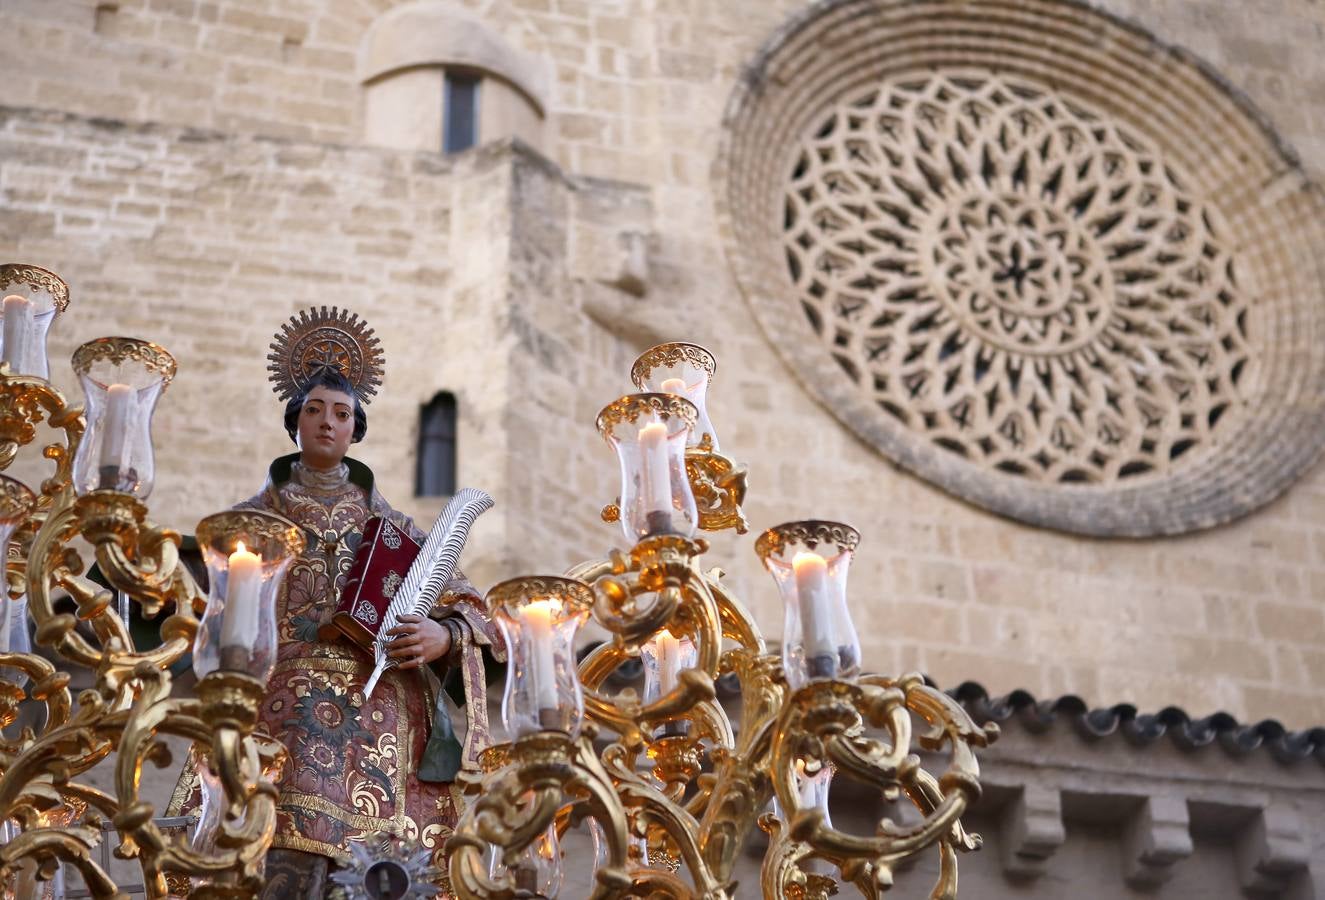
(460,113)
(436,459)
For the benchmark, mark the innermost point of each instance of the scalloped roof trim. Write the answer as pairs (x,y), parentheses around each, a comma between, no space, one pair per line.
(1143,729)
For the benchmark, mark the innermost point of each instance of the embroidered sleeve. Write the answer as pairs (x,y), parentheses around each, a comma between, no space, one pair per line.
(459,587)
(460,600)
(459,632)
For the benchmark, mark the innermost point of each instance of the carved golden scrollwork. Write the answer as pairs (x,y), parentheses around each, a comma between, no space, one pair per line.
(679,780)
(25,402)
(256,528)
(132,706)
(685,786)
(519,799)
(719,486)
(825,723)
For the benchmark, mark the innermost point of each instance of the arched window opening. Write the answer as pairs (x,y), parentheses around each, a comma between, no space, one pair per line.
(439,78)
(460,112)
(435,475)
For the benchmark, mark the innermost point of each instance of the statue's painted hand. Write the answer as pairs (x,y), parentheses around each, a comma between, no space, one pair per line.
(418,641)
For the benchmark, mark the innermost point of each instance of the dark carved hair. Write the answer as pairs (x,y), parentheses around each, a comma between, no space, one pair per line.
(328,378)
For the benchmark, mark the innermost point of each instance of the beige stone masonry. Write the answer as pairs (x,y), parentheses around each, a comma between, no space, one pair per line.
(196,171)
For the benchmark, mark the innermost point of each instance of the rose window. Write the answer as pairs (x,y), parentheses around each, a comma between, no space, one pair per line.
(1024,283)
(1035,256)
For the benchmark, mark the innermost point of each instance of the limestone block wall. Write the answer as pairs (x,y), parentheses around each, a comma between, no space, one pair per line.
(206,242)
(528,285)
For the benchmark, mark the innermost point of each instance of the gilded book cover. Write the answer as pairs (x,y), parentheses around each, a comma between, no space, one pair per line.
(379,569)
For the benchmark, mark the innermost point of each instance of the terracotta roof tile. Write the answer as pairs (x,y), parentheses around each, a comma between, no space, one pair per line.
(1143,729)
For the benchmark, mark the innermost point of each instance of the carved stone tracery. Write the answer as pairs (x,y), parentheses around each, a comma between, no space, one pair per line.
(1022,281)
(1033,254)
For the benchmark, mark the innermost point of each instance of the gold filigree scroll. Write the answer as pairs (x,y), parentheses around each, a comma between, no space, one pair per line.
(719,485)
(698,832)
(37,279)
(687,840)
(668,356)
(515,803)
(810,533)
(678,780)
(119,350)
(25,402)
(131,707)
(632,406)
(826,723)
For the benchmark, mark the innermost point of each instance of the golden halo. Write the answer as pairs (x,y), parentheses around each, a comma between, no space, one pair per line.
(318,340)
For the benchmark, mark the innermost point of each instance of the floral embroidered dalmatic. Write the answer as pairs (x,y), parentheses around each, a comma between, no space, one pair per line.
(354,760)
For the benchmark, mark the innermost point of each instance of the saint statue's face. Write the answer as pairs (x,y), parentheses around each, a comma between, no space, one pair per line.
(326,427)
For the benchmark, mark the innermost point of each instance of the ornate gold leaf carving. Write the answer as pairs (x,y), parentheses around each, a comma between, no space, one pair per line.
(38,279)
(668,355)
(119,350)
(630,407)
(810,533)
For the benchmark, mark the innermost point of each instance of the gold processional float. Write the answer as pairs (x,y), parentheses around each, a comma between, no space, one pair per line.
(666,786)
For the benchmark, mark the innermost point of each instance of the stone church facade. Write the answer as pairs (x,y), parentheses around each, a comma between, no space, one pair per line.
(1028,291)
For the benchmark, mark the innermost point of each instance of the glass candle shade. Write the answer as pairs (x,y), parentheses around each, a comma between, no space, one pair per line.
(649,433)
(809,562)
(246,553)
(538,870)
(664,656)
(539,617)
(17,502)
(210,810)
(208,827)
(122,379)
(811,791)
(30,299)
(682,369)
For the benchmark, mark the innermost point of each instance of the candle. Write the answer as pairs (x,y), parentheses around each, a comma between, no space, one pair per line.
(239,626)
(806,787)
(19,327)
(115,430)
(669,653)
(655,472)
(6,625)
(674,386)
(816,613)
(543,671)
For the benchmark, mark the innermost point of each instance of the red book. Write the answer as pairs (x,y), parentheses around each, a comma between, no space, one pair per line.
(380,566)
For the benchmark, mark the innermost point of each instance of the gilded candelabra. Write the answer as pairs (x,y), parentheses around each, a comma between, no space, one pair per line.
(666,787)
(103,470)
(669,788)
